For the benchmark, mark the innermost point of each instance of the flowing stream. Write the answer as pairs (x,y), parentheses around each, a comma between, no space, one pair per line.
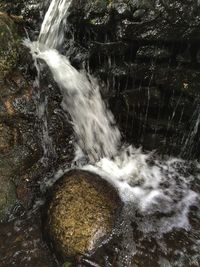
(161,191)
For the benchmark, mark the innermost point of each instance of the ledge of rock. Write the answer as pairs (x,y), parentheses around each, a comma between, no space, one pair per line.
(82,212)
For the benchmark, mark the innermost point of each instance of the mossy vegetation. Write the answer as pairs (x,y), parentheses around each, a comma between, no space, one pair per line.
(82,212)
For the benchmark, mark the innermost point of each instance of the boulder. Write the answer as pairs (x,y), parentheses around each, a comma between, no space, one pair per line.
(82,212)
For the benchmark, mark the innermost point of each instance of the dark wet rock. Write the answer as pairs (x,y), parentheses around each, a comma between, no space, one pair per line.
(21,164)
(9,41)
(17,98)
(14,184)
(146,56)
(8,138)
(147,20)
(82,212)
(21,243)
(19,145)
(7,196)
(26,13)
(17,115)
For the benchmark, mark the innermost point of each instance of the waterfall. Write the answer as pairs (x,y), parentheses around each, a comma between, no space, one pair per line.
(154,185)
(52,29)
(93,124)
(91,121)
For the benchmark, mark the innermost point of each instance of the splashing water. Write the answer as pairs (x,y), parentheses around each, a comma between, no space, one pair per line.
(152,185)
(92,123)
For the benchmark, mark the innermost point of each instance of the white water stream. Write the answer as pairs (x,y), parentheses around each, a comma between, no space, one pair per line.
(150,184)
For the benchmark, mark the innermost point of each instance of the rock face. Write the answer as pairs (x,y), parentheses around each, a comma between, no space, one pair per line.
(7,195)
(21,127)
(6,138)
(9,45)
(19,146)
(142,21)
(82,212)
(146,55)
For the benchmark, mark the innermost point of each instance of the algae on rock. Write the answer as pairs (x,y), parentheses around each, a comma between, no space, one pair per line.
(82,212)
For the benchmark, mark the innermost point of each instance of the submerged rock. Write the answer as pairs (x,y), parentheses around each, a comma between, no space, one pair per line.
(82,212)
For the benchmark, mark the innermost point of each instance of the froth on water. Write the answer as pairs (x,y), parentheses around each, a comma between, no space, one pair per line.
(154,186)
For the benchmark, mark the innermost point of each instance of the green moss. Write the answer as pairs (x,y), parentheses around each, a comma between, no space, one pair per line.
(82,212)
(67,264)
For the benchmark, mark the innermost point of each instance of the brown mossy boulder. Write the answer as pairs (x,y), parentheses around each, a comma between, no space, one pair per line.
(82,212)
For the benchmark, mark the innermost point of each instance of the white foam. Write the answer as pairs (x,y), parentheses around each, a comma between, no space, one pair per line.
(159,187)
(92,122)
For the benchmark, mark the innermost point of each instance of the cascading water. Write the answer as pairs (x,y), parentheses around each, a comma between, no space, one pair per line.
(52,33)
(92,123)
(49,37)
(161,191)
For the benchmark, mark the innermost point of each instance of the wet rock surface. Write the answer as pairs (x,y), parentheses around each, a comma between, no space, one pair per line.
(21,168)
(146,55)
(19,146)
(82,212)
(9,52)
(21,243)
(7,138)
(147,20)
(21,113)
(7,196)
